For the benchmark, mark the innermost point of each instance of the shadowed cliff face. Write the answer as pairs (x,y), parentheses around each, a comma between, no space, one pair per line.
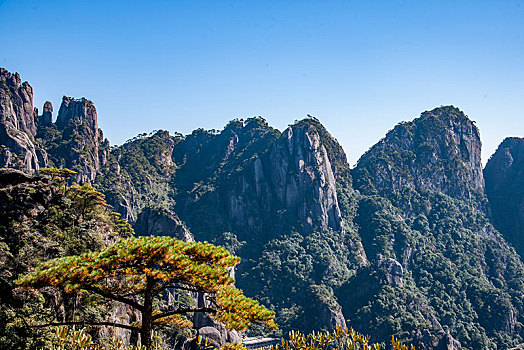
(504,174)
(161,222)
(440,151)
(17,124)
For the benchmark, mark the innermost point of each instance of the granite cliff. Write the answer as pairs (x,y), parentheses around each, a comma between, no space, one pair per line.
(74,141)
(18,124)
(31,141)
(504,174)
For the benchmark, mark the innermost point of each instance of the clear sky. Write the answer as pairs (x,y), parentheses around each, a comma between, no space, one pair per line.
(359,66)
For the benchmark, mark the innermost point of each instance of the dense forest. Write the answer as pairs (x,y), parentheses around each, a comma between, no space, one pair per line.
(417,241)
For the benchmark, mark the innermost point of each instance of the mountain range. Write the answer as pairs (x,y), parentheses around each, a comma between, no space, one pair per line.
(418,240)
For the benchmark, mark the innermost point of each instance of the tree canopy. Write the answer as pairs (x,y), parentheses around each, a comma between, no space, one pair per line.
(135,271)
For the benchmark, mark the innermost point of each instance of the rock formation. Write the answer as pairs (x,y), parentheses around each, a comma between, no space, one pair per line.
(440,151)
(301,174)
(47,115)
(161,222)
(77,122)
(28,141)
(17,124)
(504,174)
(392,270)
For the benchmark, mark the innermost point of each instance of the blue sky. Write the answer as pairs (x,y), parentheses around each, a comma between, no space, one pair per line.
(359,66)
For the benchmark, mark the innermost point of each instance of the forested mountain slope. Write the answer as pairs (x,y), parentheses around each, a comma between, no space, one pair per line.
(504,174)
(402,244)
(432,219)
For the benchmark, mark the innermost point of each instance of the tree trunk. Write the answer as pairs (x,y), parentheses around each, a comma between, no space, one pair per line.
(146,332)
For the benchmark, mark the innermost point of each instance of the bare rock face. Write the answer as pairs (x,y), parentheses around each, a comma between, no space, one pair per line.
(17,124)
(121,313)
(504,174)
(212,334)
(77,120)
(294,177)
(47,114)
(161,222)
(393,270)
(322,311)
(303,178)
(447,342)
(440,151)
(123,206)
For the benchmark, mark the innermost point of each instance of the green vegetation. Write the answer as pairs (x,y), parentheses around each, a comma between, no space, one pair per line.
(451,256)
(408,250)
(458,270)
(139,172)
(136,271)
(40,221)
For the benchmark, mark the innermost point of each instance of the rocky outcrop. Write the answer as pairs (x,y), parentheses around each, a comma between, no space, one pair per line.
(17,124)
(47,115)
(392,270)
(447,342)
(291,178)
(77,143)
(440,151)
(77,122)
(301,174)
(322,310)
(161,222)
(504,174)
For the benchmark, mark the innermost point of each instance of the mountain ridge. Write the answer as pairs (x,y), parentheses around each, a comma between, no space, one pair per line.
(400,244)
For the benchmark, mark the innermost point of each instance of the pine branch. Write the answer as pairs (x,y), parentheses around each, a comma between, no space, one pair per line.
(85,323)
(121,299)
(183,311)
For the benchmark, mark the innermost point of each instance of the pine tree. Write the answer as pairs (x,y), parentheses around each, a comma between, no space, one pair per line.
(135,271)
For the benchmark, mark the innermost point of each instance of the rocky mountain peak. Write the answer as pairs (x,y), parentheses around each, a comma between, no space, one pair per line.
(504,174)
(439,151)
(20,114)
(85,148)
(76,112)
(336,153)
(301,167)
(17,123)
(11,79)
(47,114)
